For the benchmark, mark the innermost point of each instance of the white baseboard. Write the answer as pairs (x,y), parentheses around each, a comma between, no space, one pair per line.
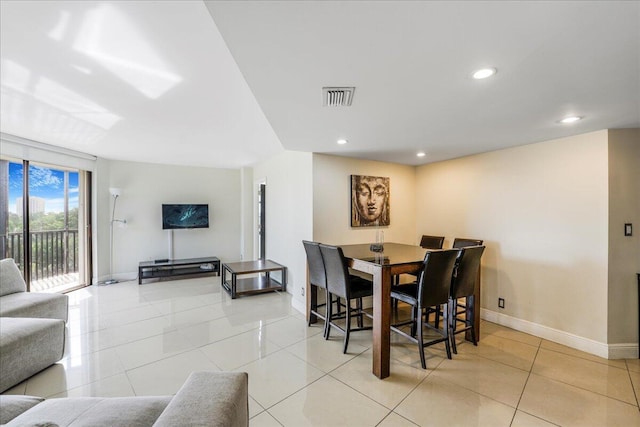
(606,351)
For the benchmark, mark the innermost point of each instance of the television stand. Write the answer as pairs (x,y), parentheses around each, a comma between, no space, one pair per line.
(176,268)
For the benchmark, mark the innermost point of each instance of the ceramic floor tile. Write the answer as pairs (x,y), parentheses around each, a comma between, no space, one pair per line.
(566,405)
(592,376)
(142,352)
(549,345)
(264,420)
(215,330)
(125,317)
(195,316)
(237,351)
(74,372)
(166,376)
(488,329)
(184,303)
(277,376)
(510,352)
(112,337)
(388,392)
(328,402)
(115,386)
(492,379)
(522,419)
(395,420)
(254,408)
(437,402)
(633,364)
(289,331)
(635,381)
(408,353)
(324,355)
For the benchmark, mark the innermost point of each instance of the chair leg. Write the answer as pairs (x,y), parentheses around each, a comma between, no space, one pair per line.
(452,324)
(471,320)
(347,327)
(423,361)
(359,308)
(445,329)
(327,325)
(437,317)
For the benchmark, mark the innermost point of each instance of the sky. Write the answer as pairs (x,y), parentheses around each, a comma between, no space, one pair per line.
(44,182)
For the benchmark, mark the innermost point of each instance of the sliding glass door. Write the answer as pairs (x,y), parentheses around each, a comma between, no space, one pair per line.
(46,223)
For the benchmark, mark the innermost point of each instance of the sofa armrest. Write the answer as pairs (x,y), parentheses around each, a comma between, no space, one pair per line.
(209,399)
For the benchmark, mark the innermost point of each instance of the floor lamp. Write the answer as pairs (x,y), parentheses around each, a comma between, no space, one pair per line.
(115,193)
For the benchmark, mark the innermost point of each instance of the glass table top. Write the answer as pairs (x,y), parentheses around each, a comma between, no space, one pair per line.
(393,253)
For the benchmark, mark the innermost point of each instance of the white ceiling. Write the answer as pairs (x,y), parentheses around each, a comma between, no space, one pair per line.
(226,84)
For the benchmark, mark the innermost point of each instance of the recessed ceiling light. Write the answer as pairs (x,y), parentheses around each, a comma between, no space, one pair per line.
(342,141)
(570,119)
(484,73)
(421,154)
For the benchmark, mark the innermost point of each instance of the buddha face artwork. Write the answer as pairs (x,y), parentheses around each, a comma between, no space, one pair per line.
(369,201)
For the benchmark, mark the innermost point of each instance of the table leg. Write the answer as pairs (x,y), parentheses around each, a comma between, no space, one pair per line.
(381,321)
(233,285)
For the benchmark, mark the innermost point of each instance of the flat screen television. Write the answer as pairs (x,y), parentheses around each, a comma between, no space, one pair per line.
(184,216)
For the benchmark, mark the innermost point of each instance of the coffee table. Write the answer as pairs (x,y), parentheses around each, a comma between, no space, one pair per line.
(261,280)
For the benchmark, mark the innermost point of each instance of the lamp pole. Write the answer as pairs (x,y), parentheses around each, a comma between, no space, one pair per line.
(115,193)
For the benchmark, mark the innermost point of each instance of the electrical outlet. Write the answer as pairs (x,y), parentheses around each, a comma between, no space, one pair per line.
(500,302)
(302,291)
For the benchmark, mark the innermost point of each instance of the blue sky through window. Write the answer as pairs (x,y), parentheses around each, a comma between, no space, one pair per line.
(46,183)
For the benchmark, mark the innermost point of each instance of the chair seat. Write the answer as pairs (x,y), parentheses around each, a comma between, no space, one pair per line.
(407,293)
(360,288)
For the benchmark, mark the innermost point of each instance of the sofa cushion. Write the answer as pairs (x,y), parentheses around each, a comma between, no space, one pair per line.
(35,305)
(12,280)
(11,406)
(27,346)
(217,399)
(95,411)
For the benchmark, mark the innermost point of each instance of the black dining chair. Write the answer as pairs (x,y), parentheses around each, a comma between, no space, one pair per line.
(431,242)
(317,280)
(341,284)
(426,242)
(463,286)
(432,289)
(463,243)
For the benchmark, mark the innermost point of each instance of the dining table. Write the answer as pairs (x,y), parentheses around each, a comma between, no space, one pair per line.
(383,266)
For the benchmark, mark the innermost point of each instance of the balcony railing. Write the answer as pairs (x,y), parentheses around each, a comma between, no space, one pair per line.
(53,252)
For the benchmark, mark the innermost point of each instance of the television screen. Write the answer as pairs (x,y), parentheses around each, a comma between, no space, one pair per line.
(185,216)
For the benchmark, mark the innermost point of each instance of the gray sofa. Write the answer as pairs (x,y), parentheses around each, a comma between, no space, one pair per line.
(205,399)
(32,327)
(15,301)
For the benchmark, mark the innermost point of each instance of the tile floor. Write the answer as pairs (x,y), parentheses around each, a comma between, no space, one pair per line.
(125,340)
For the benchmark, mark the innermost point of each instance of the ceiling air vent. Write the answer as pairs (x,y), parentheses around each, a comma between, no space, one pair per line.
(337,96)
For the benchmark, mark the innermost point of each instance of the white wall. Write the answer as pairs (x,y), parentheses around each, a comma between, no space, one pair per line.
(332,200)
(624,251)
(542,210)
(289,213)
(145,187)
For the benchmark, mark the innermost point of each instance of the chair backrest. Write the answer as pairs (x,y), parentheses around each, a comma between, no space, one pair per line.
(467,267)
(463,243)
(337,271)
(317,276)
(11,280)
(434,286)
(432,242)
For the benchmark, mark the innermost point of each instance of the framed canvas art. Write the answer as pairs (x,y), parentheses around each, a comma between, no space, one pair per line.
(369,201)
